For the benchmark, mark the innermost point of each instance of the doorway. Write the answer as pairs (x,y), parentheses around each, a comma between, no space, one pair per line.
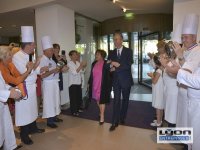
(147,44)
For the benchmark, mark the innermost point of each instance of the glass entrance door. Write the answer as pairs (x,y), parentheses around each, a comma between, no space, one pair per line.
(147,44)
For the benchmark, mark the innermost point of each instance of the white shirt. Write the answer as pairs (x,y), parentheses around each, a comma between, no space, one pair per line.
(119,50)
(45,61)
(74,77)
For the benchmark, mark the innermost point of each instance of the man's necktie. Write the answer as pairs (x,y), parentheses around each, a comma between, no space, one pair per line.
(118,53)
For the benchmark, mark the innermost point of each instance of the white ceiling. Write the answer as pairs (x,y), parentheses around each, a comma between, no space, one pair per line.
(105,9)
(99,10)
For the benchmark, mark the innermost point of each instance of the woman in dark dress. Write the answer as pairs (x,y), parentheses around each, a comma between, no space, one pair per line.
(56,57)
(100,82)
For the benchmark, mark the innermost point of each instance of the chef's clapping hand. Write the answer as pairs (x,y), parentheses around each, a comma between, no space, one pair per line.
(56,70)
(44,69)
(30,66)
(14,93)
(115,64)
(178,49)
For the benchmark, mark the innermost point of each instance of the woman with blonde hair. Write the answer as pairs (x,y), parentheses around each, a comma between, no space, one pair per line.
(8,70)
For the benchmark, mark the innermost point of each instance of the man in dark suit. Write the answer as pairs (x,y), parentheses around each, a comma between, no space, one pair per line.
(121,60)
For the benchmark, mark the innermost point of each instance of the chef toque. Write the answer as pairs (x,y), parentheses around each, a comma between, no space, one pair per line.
(46,43)
(190,24)
(27,34)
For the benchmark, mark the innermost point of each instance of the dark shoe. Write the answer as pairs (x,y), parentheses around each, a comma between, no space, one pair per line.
(75,114)
(27,141)
(18,147)
(58,120)
(52,125)
(40,130)
(37,131)
(112,128)
(101,122)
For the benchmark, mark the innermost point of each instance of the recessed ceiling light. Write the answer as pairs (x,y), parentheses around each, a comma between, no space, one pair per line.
(114,1)
(1,27)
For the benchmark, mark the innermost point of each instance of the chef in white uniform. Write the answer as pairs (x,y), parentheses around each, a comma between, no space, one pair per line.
(50,87)
(26,111)
(7,135)
(192,81)
(189,59)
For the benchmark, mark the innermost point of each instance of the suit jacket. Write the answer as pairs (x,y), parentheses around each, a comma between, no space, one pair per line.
(122,75)
(105,83)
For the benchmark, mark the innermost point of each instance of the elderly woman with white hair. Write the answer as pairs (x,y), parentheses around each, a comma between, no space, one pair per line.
(9,72)
(7,136)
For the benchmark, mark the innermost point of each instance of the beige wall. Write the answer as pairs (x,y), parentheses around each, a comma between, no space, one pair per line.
(181,8)
(57,22)
(150,22)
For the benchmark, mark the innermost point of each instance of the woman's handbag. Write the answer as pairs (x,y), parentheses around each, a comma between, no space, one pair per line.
(86,100)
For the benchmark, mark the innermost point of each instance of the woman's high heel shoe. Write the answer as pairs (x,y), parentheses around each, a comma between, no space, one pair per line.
(101,123)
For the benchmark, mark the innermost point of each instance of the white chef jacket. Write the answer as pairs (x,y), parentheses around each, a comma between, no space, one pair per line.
(192,62)
(193,106)
(7,136)
(26,111)
(50,90)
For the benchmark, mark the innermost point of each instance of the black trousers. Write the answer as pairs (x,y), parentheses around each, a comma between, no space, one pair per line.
(27,129)
(75,95)
(120,107)
(171,125)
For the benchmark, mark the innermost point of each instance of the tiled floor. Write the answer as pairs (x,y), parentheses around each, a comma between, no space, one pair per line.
(81,134)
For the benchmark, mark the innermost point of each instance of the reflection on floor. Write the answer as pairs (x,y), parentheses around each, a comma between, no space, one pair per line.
(82,134)
(141,93)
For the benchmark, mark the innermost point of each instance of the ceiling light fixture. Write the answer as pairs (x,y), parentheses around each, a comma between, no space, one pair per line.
(129,15)
(114,1)
(1,27)
(124,9)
